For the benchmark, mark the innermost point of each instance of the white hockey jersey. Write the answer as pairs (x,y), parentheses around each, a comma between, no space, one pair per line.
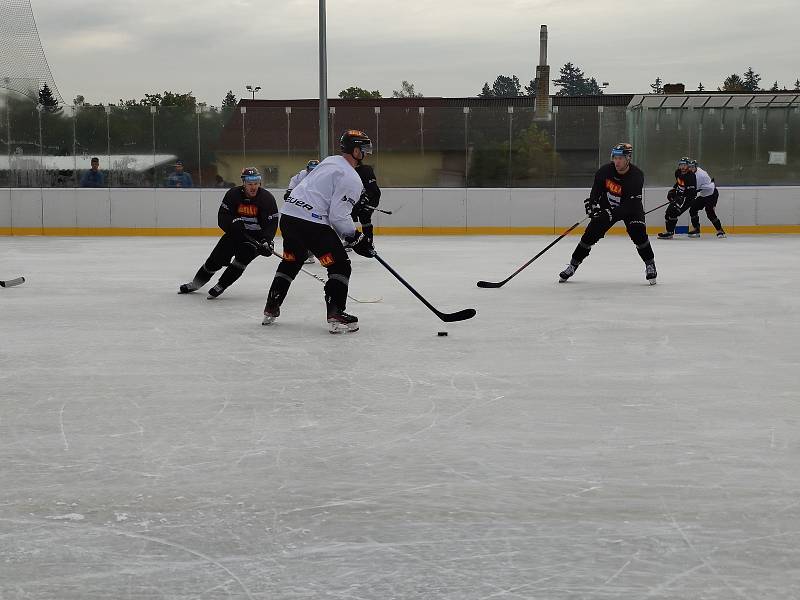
(296,179)
(327,195)
(705,187)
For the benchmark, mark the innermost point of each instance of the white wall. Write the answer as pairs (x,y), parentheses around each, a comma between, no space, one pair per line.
(456,209)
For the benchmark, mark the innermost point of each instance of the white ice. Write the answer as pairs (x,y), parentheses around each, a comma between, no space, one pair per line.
(599,439)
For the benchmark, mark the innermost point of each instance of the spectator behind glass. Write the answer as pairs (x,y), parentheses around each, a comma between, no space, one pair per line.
(221,183)
(93,178)
(179,178)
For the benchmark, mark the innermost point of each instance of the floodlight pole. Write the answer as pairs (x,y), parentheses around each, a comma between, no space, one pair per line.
(323,85)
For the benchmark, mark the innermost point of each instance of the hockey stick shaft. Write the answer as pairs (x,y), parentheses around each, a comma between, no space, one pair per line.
(461,315)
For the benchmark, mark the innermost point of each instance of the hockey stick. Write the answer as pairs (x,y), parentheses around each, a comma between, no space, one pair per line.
(497,284)
(374,208)
(12,282)
(461,315)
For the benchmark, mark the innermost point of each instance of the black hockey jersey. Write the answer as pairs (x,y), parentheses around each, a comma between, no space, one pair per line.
(371,189)
(611,189)
(685,184)
(260,214)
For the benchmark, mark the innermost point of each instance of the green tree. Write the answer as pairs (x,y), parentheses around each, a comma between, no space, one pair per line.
(503,87)
(229,101)
(775,87)
(46,99)
(733,83)
(657,86)
(750,80)
(357,93)
(573,82)
(406,91)
(700,87)
(530,89)
(797,85)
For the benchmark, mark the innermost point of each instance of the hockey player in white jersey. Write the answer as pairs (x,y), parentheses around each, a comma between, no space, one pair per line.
(316,217)
(707,196)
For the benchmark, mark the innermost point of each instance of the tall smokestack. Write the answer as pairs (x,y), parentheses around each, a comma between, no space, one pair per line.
(542,104)
(543,46)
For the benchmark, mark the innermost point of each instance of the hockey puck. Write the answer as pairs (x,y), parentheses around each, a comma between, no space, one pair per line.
(442,333)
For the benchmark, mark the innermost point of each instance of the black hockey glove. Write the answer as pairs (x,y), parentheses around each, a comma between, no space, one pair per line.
(600,213)
(360,208)
(360,244)
(589,205)
(266,248)
(238,227)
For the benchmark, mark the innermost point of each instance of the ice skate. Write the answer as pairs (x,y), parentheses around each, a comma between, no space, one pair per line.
(568,272)
(340,322)
(270,314)
(694,233)
(666,235)
(721,233)
(187,288)
(650,272)
(215,291)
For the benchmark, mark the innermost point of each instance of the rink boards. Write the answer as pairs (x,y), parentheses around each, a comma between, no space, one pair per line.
(416,211)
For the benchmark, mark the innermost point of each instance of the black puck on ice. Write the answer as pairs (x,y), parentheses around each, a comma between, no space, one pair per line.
(442,333)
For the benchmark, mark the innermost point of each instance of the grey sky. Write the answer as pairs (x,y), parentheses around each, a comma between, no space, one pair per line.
(107,50)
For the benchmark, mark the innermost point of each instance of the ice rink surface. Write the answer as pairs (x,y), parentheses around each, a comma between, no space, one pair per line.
(599,439)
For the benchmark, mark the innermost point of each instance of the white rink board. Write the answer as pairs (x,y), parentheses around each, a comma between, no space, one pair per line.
(467,209)
(599,439)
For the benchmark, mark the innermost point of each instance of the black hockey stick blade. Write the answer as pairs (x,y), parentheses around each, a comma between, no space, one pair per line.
(461,315)
(12,282)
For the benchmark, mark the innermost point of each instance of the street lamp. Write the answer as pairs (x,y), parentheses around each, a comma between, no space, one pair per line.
(253,90)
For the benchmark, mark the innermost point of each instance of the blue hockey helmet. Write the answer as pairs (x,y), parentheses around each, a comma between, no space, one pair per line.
(622,149)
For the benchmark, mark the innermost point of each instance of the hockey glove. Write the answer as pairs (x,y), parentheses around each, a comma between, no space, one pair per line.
(601,214)
(589,205)
(266,248)
(238,227)
(360,208)
(360,244)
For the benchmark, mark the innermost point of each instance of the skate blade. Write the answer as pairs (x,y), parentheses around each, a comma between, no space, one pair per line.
(268,320)
(336,328)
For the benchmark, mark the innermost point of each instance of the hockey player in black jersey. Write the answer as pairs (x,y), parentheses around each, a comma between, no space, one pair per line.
(681,197)
(249,217)
(616,195)
(369,200)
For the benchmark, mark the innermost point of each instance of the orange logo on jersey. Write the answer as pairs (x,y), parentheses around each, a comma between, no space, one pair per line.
(247,210)
(326,260)
(613,187)
(288,256)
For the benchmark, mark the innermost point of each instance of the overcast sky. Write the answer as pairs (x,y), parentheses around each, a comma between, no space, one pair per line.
(112,49)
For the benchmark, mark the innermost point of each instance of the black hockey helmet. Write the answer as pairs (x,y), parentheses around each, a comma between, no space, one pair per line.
(312,164)
(622,149)
(684,160)
(251,175)
(693,163)
(355,138)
